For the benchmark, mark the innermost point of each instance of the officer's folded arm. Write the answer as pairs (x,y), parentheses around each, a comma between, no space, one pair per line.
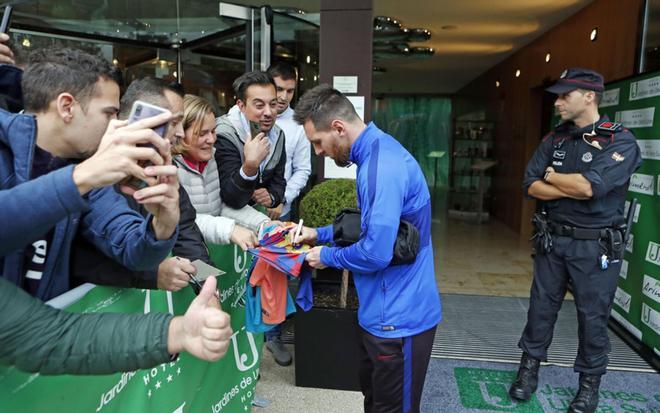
(575,186)
(545,192)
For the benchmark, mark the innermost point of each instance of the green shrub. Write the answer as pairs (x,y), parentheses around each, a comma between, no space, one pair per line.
(320,206)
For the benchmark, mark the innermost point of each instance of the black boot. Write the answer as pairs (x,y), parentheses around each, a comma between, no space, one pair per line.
(527,379)
(586,400)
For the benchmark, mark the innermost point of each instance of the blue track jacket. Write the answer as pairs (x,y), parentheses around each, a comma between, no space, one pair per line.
(400,300)
(103,215)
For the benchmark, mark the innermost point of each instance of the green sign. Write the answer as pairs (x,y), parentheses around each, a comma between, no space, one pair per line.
(633,102)
(484,389)
(186,385)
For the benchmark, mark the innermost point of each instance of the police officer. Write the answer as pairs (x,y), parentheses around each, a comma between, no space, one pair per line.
(580,173)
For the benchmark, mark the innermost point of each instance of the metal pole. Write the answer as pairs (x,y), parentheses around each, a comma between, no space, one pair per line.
(179,66)
(266,20)
(642,48)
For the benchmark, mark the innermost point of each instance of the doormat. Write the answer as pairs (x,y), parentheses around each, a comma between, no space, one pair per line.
(472,386)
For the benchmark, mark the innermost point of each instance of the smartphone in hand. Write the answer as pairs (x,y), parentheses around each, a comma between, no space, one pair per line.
(6,19)
(142,110)
(255,128)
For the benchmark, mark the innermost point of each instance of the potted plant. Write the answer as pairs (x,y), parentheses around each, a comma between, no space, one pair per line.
(326,336)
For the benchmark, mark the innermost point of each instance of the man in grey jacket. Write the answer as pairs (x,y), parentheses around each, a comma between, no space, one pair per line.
(251,168)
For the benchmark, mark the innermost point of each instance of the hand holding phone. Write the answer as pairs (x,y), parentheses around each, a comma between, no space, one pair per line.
(255,129)
(255,149)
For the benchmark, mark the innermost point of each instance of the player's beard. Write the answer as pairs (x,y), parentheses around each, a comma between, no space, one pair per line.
(343,158)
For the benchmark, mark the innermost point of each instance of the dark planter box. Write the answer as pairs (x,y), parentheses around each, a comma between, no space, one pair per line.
(326,348)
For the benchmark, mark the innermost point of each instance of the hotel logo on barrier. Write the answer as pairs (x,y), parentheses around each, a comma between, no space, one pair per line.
(651,318)
(624,269)
(643,184)
(622,299)
(653,253)
(651,288)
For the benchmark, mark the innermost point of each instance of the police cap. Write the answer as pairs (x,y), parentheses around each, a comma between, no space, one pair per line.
(577,78)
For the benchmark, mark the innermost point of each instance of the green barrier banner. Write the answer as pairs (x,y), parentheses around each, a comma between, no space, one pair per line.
(633,102)
(186,385)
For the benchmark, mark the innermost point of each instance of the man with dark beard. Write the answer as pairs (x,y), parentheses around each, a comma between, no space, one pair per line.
(399,302)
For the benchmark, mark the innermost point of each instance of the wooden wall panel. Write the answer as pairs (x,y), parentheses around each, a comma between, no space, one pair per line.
(516,105)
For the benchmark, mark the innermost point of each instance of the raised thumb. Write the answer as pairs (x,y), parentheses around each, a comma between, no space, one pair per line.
(208,291)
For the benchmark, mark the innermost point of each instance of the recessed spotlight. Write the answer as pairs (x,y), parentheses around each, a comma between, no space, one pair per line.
(497,83)
(547,57)
(517,72)
(309,59)
(302,79)
(115,62)
(594,34)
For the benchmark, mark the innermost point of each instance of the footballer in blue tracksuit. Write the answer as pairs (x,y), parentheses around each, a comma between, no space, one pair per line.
(399,304)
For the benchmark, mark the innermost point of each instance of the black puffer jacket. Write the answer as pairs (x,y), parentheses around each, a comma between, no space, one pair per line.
(88,264)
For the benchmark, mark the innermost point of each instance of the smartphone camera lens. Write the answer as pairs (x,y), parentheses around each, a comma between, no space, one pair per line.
(138,109)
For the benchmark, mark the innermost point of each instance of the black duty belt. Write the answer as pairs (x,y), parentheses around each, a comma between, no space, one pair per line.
(577,233)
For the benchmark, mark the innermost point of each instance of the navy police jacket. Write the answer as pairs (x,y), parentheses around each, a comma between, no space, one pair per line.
(607,160)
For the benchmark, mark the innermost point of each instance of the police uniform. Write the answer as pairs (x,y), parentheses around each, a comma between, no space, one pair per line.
(587,245)
(580,242)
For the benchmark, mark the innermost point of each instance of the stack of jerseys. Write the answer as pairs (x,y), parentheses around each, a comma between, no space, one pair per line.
(268,301)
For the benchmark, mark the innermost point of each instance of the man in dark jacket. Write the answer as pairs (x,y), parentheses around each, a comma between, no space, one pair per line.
(251,168)
(90,265)
(70,98)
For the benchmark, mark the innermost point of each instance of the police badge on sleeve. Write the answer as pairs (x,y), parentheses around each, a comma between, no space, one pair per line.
(618,157)
(587,157)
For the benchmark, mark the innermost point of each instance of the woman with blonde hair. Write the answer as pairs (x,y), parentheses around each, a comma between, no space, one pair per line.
(198,173)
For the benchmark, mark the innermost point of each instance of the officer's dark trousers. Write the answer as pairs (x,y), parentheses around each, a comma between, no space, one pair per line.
(392,371)
(593,290)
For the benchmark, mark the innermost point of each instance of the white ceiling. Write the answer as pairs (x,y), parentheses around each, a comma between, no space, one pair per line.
(487,32)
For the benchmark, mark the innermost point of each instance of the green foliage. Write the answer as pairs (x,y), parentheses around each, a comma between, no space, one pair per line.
(320,206)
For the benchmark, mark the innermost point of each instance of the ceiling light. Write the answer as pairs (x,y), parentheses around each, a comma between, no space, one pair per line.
(26,42)
(497,83)
(594,34)
(302,79)
(174,74)
(309,59)
(115,62)
(517,72)
(547,57)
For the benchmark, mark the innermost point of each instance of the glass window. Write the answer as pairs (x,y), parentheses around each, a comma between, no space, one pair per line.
(651,57)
